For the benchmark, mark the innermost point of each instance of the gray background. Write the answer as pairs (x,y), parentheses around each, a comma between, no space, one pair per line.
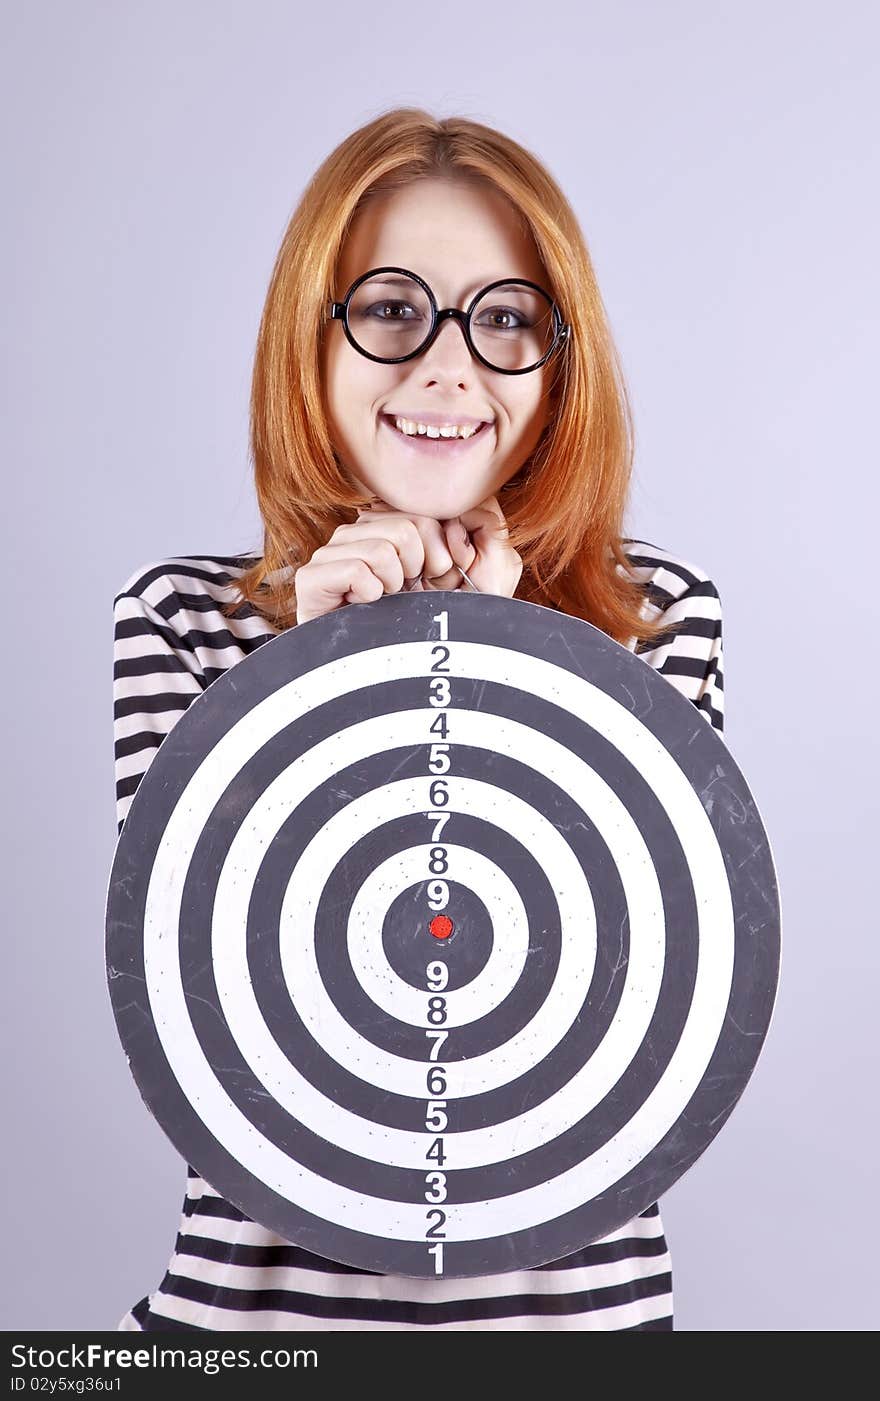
(720,161)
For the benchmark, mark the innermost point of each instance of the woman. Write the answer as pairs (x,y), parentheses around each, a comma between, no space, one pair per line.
(395,450)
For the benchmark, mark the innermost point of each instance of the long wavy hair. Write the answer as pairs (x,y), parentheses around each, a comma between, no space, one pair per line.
(565,505)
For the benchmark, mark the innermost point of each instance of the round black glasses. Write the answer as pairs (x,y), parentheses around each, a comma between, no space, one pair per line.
(390,315)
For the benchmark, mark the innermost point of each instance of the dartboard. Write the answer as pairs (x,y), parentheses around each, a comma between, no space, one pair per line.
(442,935)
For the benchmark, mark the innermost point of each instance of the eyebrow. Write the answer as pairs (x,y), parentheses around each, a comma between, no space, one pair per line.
(393,280)
(396,280)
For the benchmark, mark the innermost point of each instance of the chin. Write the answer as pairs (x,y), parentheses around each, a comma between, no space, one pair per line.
(438,504)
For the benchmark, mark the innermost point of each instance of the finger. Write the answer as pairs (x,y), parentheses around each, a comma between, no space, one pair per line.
(376,551)
(487,516)
(463,553)
(398,529)
(459,543)
(437,555)
(488,532)
(497,567)
(326,586)
(452,579)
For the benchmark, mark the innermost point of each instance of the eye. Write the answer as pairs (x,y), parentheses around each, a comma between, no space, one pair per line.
(389,310)
(503,318)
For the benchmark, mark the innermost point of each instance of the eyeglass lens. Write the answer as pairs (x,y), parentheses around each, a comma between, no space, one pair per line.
(511,326)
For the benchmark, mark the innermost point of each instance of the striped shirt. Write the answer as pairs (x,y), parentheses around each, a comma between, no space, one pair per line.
(226,1271)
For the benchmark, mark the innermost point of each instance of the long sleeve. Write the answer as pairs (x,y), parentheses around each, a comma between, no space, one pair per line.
(692,657)
(156,676)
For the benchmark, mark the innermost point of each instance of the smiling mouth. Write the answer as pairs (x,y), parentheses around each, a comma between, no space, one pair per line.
(434,447)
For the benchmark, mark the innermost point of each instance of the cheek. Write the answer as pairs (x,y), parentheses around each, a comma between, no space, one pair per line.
(356,388)
(528,410)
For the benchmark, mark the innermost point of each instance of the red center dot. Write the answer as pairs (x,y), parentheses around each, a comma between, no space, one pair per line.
(441,926)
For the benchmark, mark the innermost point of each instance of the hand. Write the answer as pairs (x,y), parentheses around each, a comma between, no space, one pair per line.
(385,549)
(375,554)
(477,540)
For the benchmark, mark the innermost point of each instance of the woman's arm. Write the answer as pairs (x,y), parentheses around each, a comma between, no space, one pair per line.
(156,675)
(692,658)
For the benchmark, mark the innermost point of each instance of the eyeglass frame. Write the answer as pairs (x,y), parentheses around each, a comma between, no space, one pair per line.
(561,329)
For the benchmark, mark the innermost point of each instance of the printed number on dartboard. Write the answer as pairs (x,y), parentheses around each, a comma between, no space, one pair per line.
(437,971)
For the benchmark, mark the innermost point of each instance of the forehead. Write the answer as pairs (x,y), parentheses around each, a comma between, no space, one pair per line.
(458,234)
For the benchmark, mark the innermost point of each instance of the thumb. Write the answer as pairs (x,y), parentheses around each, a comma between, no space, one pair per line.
(486,520)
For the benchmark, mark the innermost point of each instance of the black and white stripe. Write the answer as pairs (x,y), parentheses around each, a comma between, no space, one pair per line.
(227,1272)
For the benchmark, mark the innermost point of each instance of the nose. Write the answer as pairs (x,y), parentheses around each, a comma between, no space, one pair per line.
(449,349)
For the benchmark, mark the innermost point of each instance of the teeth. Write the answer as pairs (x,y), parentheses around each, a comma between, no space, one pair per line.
(429,430)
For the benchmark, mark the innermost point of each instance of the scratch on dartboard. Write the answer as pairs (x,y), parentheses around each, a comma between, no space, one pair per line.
(648,702)
(194,997)
(575,658)
(622,961)
(721,1114)
(741,1029)
(756,850)
(736,808)
(410,754)
(639,1186)
(130,1010)
(122,973)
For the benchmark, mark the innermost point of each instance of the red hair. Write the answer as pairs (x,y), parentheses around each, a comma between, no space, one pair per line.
(565,506)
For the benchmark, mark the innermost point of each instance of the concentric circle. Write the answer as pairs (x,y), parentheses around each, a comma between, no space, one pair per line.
(442,935)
